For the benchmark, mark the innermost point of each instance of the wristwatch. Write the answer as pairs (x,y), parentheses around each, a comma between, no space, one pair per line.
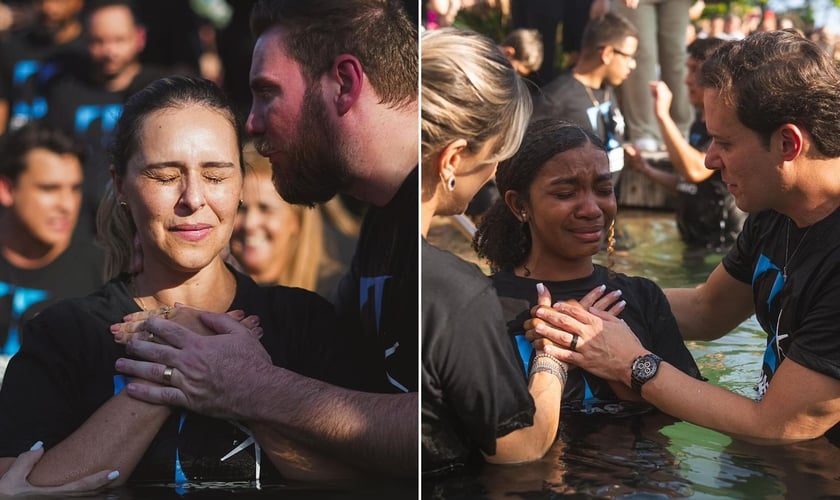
(643,369)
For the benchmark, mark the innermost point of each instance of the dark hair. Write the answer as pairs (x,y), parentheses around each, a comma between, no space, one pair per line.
(115,229)
(608,29)
(775,77)
(377,32)
(702,48)
(501,238)
(18,143)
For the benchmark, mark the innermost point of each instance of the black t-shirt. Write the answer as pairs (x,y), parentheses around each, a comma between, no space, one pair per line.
(23,292)
(647,313)
(85,109)
(65,370)
(473,387)
(378,298)
(800,313)
(566,98)
(28,59)
(705,211)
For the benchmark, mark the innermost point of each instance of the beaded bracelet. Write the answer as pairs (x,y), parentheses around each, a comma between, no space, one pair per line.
(548,363)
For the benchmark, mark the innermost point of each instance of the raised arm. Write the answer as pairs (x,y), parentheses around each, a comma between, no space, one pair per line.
(687,161)
(712,309)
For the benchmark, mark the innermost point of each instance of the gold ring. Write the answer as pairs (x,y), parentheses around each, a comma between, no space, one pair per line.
(167,375)
(165,310)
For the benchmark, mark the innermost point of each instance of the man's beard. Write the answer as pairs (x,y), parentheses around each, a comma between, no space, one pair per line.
(317,170)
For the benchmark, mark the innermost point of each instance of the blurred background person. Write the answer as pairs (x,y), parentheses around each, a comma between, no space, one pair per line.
(40,260)
(86,100)
(278,243)
(30,55)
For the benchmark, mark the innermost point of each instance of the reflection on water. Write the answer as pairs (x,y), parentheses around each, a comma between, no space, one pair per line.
(655,456)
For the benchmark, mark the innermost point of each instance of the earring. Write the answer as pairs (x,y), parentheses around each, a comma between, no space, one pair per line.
(450,184)
(524,215)
(241,203)
(123,204)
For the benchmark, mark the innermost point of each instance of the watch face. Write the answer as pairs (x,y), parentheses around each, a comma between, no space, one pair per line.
(644,368)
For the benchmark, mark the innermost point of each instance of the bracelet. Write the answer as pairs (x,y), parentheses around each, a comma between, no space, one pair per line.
(548,363)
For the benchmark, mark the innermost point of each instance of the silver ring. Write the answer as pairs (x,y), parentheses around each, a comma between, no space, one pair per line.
(573,345)
(167,375)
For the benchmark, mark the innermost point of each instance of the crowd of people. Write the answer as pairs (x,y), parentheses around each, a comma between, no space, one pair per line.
(190,345)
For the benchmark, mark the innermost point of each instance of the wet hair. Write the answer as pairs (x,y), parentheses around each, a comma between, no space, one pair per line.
(376,32)
(471,91)
(702,48)
(502,239)
(609,29)
(527,47)
(776,77)
(16,145)
(114,226)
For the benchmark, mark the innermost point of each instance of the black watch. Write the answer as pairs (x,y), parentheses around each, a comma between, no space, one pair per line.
(643,369)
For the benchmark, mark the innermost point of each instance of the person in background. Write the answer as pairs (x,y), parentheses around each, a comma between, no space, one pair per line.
(705,211)
(278,243)
(40,259)
(30,56)
(771,110)
(325,97)
(661,25)
(86,100)
(475,401)
(524,48)
(556,211)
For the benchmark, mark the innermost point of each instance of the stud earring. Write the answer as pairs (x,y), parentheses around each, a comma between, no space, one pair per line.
(524,215)
(451,184)
(123,204)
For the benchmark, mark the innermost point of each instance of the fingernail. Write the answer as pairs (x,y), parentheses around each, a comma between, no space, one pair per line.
(622,304)
(119,364)
(617,293)
(540,288)
(239,313)
(115,328)
(37,446)
(602,288)
(113,475)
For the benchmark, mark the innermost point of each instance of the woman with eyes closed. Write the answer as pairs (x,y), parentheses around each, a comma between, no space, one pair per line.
(177,180)
(557,206)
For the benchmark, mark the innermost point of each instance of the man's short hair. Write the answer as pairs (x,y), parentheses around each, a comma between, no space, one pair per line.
(92,6)
(376,32)
(777,77)
(527,46)
(609,29)
(702,48)
(15,145)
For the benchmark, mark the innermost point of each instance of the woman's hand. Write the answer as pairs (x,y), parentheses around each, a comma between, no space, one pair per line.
(593,339)
(608,302)
(15,483)
(132,325)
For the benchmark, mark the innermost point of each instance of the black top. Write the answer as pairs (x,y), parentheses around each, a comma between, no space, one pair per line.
(379,295)
(647,313)
(65,371)
(566,98)
(705,211)
(800,313)
(28,59)
(473,387)
(24,292)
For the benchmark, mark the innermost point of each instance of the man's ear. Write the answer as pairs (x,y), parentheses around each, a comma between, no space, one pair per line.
(7,198)
(508,51)
(350,76)
(792,141)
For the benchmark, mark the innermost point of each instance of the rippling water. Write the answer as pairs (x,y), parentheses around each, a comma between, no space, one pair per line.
(656,456)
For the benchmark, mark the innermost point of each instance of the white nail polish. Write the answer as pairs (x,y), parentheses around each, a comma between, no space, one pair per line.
(540,288)
(113,475)
(622,304)
(617,293)
(37,446)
